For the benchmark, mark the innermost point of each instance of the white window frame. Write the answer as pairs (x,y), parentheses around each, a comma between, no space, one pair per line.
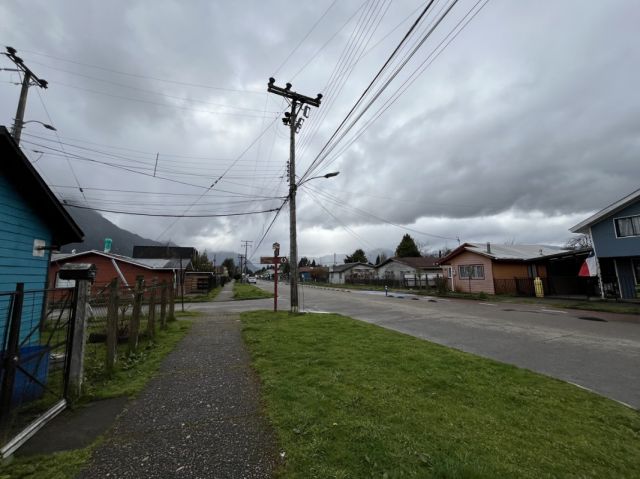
(474,275)
(615,226)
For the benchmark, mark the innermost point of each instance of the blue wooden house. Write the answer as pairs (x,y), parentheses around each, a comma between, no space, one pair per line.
(32,222)
(615,235)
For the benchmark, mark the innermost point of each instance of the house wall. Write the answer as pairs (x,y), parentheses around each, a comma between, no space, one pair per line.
(20,225)
(516,270)
(607,245)
(105,271)
(475,285)
(395,270)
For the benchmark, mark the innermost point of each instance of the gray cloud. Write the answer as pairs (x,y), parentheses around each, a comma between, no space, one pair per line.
(524,125)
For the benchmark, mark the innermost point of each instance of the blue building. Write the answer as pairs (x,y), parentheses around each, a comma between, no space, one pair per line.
(615,235)
(32,223)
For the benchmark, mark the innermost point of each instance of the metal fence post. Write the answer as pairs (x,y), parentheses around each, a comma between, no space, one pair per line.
(172,304)
(78,330)
(163,305)
(112,326)
(10,359)
(134,322)
(151,317)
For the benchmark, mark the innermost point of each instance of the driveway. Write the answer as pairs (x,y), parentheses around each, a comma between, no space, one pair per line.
(597,351)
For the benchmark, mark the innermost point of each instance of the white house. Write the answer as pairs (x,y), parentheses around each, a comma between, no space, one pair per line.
(342,273)
(411,271)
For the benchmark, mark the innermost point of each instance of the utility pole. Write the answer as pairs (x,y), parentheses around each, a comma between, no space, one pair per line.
(29,79)
(246,244)
(240,261)
(291,119)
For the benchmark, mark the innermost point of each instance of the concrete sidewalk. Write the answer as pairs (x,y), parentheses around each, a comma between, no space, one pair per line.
(201,417)
(226,293)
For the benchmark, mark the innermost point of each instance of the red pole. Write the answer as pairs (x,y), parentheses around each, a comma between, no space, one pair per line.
(275,285)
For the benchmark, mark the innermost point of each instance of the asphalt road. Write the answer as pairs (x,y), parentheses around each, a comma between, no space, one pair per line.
(597,351)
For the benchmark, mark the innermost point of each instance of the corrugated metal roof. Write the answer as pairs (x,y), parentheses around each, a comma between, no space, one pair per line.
(517,251)
(153,263)
(343,267)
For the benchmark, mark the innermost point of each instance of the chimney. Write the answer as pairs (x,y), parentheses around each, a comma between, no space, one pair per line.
(488,247)
(107,245)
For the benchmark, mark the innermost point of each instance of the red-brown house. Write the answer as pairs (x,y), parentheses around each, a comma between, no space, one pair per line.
(110,265)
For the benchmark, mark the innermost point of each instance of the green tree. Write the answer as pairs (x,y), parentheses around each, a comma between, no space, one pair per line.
(358,256)
(407,248)
(304,261)
(231,266)
(201,262)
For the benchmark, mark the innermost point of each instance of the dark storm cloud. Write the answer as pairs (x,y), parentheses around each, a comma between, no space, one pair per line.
(530,108)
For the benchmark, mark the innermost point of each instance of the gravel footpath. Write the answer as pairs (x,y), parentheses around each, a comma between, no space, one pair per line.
(201,417)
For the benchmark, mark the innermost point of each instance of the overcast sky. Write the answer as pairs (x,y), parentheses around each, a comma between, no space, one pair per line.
(526,123)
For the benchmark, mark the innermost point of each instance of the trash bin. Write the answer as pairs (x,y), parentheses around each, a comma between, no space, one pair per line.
(35,361)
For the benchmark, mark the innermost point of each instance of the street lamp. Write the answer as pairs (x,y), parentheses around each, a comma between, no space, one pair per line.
(293,260)
(18,125)
(328,175)
(46,125)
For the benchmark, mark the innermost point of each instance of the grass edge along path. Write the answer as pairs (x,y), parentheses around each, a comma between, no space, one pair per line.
(242,291)
(351,399)
(129,378)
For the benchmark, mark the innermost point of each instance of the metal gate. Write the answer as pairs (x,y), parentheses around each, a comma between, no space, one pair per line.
(36,333)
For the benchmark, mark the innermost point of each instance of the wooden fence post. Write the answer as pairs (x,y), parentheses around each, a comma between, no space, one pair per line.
(151,315)
(134,322)
(112,326)
(78,343)
(172,304)
(163,305)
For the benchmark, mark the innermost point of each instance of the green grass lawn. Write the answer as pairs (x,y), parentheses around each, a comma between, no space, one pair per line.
(350,399)
(248,291)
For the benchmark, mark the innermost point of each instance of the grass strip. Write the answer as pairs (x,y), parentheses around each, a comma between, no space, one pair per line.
(60,465)
(132,372)
(242,291)
(130,377)
(201,298)
(350,399)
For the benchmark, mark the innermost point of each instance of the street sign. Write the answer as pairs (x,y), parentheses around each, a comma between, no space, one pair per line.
(273,260)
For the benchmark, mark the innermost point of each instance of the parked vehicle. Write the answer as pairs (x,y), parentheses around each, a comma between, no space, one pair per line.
(252,280)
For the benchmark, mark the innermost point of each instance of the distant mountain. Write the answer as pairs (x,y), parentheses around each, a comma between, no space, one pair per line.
(96,228)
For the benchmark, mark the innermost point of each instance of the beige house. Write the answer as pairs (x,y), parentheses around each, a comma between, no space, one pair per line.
(496,269)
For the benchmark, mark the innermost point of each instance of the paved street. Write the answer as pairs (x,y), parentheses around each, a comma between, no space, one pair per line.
(601,353)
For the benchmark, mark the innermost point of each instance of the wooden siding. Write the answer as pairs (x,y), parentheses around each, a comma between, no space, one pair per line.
(20,225)
(475,285)
(605,241)
(105,272)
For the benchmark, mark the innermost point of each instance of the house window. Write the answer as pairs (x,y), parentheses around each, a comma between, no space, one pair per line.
(471,271)
(627,226)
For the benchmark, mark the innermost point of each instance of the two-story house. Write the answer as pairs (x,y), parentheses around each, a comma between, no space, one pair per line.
(615,235)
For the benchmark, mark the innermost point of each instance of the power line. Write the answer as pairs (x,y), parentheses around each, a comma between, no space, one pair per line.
(364,213)
(150,102)
(305,37)
(435,53)
(161,215)
(135,75)
(75,177)
(146,90)
(368,89)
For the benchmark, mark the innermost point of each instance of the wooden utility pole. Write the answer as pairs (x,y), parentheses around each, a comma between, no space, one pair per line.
(291,119)
(28,79)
